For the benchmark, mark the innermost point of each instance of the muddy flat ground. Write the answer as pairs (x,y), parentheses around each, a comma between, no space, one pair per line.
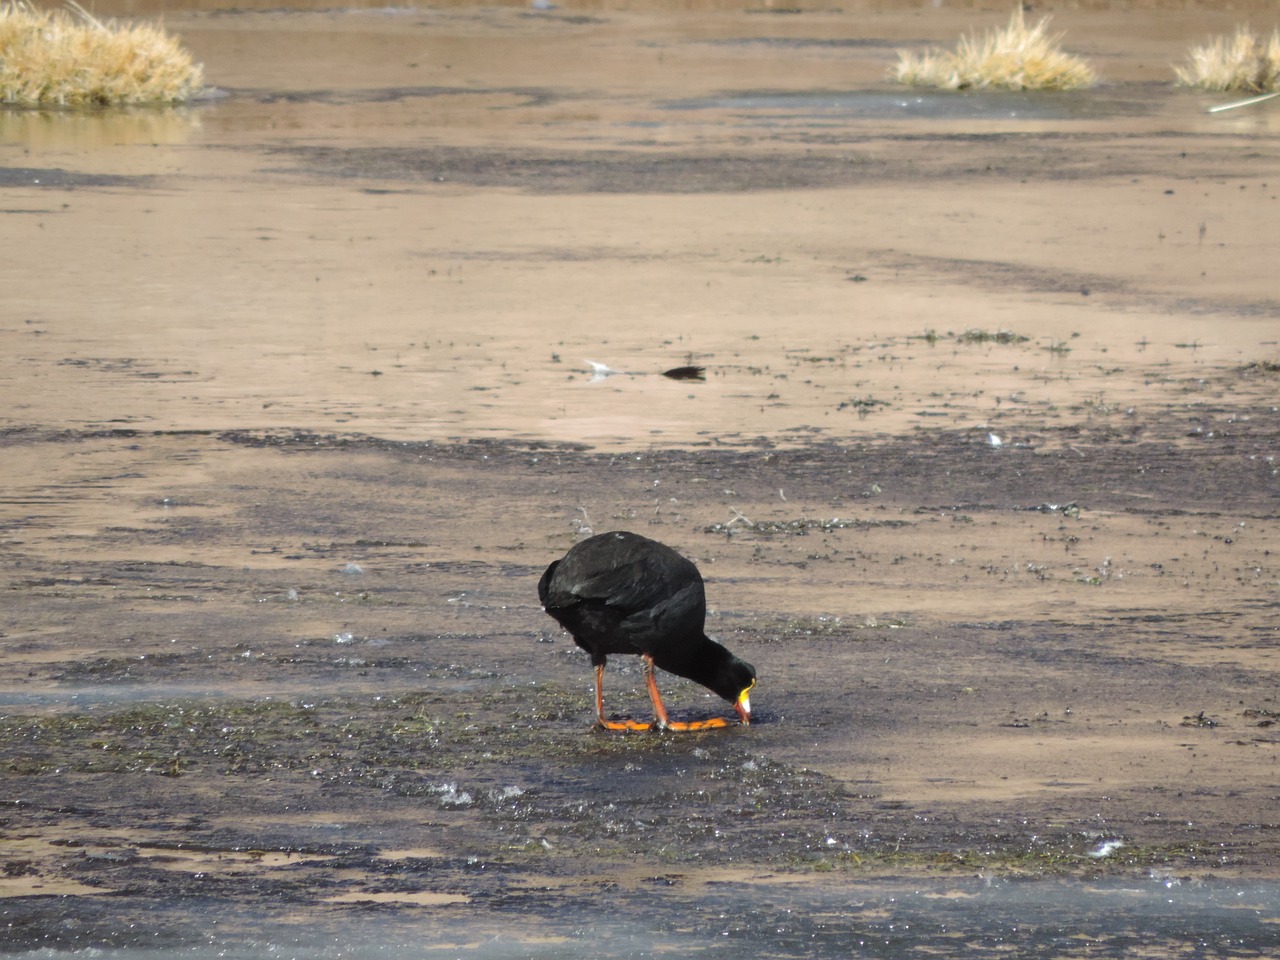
(298,397)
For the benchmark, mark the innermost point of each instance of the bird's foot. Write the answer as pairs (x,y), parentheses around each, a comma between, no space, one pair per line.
(623,724)
(688,726)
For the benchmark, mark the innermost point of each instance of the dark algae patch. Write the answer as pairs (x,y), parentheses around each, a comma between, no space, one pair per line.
(536,785)
(404,823)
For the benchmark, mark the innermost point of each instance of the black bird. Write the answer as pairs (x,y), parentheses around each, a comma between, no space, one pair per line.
(623,593)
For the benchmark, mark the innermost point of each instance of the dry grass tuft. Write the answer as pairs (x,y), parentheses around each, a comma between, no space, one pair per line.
(1016,58)
(1243,62)
(60,59)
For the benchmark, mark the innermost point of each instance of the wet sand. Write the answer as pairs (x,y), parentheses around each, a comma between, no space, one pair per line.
(982,477)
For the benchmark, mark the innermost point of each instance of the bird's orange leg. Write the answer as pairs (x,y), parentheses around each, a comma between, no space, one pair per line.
(660,711)
(612,724)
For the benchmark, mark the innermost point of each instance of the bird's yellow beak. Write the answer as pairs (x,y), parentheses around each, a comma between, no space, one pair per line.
(743,706)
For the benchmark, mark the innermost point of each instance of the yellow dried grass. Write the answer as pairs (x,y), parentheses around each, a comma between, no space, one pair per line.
(1241,62)
(1015,58)
(55,58)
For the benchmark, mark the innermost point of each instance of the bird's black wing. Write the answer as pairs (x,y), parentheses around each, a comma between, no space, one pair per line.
(561,587)
(654,597)
(638,582)
(675,618)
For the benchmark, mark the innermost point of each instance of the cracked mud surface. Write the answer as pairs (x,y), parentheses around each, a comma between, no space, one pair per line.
(982,479)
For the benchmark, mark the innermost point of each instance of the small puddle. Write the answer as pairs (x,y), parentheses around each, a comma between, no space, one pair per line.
(918,105)
(427,899)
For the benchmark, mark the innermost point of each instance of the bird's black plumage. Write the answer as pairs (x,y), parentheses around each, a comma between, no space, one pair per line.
(621,593)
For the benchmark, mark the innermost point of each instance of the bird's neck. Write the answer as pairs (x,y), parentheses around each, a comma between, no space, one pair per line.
(694,659)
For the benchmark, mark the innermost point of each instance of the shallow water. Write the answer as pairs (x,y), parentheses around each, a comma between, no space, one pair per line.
(298,402)
(1017,918)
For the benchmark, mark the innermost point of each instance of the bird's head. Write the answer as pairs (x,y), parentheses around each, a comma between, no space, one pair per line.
(735,681)
(743,703)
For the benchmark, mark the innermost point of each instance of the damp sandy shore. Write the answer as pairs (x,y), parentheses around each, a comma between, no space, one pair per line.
(297,400)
